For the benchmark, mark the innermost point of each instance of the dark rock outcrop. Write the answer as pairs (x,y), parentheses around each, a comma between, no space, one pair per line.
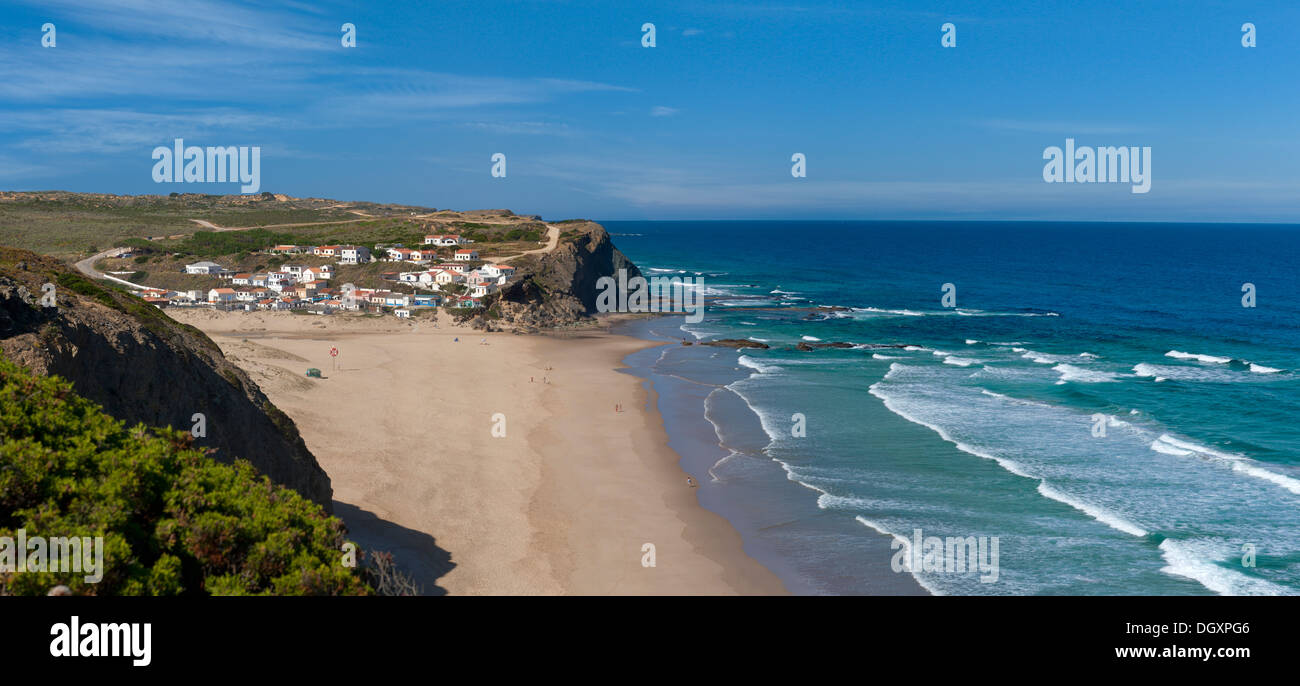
(559,288)
(141,366)
(736,343)
(805,346)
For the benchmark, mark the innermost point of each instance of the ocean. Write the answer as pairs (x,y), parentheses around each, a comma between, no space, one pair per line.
(1098,400)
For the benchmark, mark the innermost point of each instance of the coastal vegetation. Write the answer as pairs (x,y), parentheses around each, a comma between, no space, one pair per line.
(173,520)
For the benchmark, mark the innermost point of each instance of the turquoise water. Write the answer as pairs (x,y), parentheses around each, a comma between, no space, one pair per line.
(986,424)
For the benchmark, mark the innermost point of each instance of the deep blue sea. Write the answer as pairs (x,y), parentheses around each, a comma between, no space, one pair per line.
(989,422)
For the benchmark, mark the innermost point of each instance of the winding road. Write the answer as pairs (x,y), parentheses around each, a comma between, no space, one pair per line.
(87,267)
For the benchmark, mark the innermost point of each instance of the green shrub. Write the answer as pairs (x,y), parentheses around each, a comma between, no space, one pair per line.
(173,520)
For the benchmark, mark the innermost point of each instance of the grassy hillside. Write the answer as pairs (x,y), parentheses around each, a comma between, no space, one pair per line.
(77,224)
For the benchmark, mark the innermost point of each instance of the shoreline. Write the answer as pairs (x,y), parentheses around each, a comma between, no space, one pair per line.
(561,504)
(719,434)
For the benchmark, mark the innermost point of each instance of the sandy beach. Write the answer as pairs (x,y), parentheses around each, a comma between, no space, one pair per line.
(563,503)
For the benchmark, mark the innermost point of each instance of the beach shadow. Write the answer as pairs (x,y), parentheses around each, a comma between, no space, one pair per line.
(414,552)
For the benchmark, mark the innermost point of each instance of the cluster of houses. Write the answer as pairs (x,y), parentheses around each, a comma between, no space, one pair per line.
(479,282)
(297,286)
(345,254)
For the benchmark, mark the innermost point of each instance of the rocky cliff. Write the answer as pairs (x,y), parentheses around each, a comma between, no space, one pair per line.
(141,366)
(558,288)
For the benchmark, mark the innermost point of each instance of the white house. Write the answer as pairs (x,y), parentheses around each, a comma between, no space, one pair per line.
(445,277)
(502,272)
(477,277)
(397,299)
(453,267)
(316,274)
(295,269)
(326,251)
(402,313)
(221,295)
(466,255)
(204,268)
(241,279)
(482,289)
(444,240)
(279,283)
(354,254)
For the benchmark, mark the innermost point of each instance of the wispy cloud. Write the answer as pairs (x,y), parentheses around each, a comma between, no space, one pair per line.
(1059,127)
(95,131)
(661,111)
(522,128)
(202,21)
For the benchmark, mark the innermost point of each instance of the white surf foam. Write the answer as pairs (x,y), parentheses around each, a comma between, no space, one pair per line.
(1183,559)
(1100,514)
(1070,372)
(906,546)
(1184,372)
(1208,359)
(1240,463)
(747,361)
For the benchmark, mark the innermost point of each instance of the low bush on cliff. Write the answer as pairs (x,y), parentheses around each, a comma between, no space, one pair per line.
(173,521)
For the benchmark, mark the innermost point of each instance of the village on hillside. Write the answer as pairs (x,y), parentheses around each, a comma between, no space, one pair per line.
(307,280)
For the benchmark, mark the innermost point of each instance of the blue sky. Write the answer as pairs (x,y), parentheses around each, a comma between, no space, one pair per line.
(701,126)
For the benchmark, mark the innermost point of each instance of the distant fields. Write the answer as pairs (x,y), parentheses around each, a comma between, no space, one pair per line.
(68,225)
(72,225)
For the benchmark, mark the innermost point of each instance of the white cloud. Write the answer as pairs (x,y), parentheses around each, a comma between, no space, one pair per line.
(661,111)
(1059,128)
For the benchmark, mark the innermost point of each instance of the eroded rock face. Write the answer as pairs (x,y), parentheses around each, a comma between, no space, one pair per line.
(559,288)
(141,366)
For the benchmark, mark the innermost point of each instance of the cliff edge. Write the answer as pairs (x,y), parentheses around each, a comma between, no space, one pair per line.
(557,288)
(141,366)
